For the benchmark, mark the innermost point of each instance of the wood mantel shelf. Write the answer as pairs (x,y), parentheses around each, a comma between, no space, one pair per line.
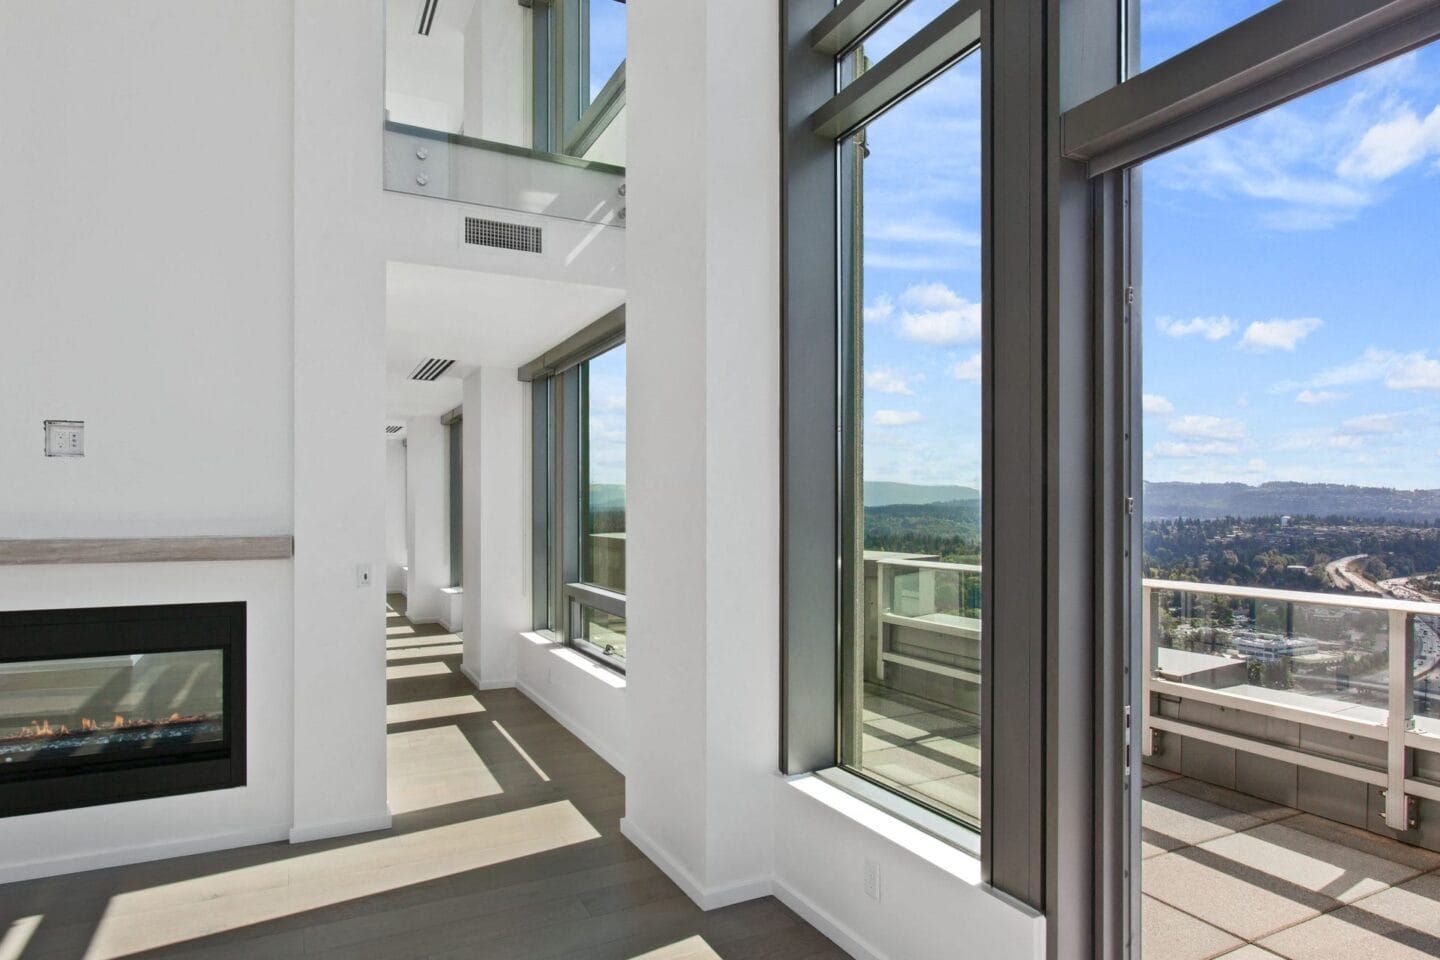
(145,550)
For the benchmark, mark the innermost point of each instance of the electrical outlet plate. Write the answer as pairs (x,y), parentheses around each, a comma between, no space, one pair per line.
(872,879)
(64,438)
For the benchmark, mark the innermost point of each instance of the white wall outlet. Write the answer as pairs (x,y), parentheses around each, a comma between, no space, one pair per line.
(872,879)
(362,575)
(64,438)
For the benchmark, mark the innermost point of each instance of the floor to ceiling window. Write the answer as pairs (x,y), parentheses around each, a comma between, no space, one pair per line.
(911,662)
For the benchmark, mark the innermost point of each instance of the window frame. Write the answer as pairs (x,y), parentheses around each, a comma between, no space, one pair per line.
(557,484)
(566,121)
(1282,52)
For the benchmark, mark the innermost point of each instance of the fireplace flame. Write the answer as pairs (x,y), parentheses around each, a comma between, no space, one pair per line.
(38,729)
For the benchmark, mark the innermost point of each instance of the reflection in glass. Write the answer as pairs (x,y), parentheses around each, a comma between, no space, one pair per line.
(911,667)
(603,466)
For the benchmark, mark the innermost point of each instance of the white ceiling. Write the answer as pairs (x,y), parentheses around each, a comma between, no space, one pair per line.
(478,320)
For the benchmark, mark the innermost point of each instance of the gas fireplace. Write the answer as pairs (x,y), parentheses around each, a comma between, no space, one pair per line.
(120,703)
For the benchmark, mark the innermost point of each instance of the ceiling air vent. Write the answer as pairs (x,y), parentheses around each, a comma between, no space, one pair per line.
(427,17)
(431,369)
(393,428)
(507,236)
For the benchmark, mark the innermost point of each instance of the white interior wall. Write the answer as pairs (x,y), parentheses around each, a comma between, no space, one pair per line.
(424,75)
(397,541)
(497,73)
(339,310)
(497,523)
(123,305)
(427,505)
(586,698)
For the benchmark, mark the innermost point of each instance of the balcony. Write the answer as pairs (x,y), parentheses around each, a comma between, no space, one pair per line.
(1282,804)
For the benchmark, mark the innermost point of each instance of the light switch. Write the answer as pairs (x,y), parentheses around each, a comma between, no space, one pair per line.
(362,575)
(64,438)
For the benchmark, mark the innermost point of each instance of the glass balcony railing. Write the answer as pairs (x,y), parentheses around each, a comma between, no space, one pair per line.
(1243,686)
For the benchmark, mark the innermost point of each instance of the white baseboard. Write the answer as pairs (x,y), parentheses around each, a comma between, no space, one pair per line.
(705,899)
(836,931)
(340,828)
(565,720)
(121,856)
(479,684)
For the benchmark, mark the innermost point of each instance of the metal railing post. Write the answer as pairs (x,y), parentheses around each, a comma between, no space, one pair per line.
(1149,631)
(1398,723)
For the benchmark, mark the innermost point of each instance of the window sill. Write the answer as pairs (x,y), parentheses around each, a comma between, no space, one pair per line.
(946,845)
(557,648)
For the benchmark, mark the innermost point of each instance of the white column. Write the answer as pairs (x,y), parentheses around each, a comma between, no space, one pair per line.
(703,460)
(339,654)
(427,503)
(497,523)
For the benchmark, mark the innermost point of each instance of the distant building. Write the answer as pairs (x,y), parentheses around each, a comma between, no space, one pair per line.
(1270,648)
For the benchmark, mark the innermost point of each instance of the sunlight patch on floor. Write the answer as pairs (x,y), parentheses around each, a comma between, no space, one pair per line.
(156,917)
(521,750)
(12,945)
(438,709)
(421,653)
(691,948)
(407,671)
(435,766)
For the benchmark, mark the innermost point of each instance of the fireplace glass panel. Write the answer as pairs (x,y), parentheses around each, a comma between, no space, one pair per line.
(62,712)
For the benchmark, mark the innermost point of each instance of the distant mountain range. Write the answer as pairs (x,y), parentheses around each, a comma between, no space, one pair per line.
(607,496)
(1212,500)
(884,493)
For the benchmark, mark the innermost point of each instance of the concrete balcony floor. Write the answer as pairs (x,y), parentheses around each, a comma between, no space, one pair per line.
(1225,875)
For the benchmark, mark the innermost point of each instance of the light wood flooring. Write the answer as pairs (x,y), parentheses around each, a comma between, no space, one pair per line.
(505,844)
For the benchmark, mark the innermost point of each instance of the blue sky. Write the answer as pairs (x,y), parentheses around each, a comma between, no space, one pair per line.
(607,417)
(1290,293)
(607,41)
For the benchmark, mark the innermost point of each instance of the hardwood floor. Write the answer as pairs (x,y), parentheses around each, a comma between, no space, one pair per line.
(505,844)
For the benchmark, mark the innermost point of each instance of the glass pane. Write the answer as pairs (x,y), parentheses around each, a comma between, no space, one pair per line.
(1169,26)
(602,631)
(607,42)
(911,667)
(603,461)
(1291,445)
(57,713)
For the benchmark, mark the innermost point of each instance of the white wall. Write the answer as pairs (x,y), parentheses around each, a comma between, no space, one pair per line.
(145,287)
(585,697)
(424,75)
(339,273)
(397,540)
(149,298)
(497,523)
(703,441)
(497,73)
(427,505)
(932,904)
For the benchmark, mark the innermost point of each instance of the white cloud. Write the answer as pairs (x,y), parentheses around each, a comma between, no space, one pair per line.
(879,309)
(1211,448)
(1154,403)
(967,369)
(1408,371)
(1393,145)
(1211,328)
(1414,371)
(935,314)
(1312,397)
(927,231)
(895,418)
(885,380)
(1210,428)
(1279,334)
(1374,423)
